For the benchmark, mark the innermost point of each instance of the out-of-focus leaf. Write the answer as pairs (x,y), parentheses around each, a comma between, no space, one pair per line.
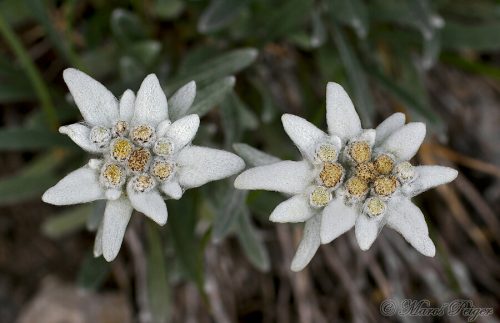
(93,272)
(212,95)
(21,139)
(219,14)
(251,242)
(406,97)
(158,287)
(236,118)
(96,215)
(254,157)
(182,219)
(146,52)
(313,39)
(431,51)
(483,37)
(168,9)
(472,66)
(127,27)
(39,10)
(357,78)
(67,221)
(353,13)
(232,207)
(31,182)
(19,7)
(283,19)
(131,71)
(223,65)
(13,91)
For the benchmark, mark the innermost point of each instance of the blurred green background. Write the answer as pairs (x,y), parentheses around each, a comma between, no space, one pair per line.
(219,259)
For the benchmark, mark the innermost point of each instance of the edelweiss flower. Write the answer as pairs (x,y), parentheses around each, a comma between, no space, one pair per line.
(142,153)
(348,176)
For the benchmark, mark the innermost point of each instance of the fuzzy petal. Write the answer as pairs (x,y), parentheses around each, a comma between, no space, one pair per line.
(367,229)
(182,131)
(97,105)
(98,242)
(342,118)
(429,177)
(151,103)
(304,134)
(200,165)
(172,189)
(389,125)
(127,106)
(80,134)
(407,219)
(295,209)
(289,177)
(116,218)
(80,186)
(405,142)
(309,244)
(150,203)
(181,100)
(254,157)
(337,218)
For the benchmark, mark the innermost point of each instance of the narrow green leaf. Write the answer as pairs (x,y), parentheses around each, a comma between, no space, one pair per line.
(231,208)
(219,14)
(168,9)
(21,139)
(357,78)
(32,72)
(209,70)
(158,286)
(31,182)
(93,272)
(406,97)
(127,27)
(252,243)
(482,37)
(39,10)
(210,96)
(182,219)
(352,13)
(254,157)
(281,20)
(67,221)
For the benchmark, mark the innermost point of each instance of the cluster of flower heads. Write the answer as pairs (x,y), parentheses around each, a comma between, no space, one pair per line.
(350,177)
(143,157)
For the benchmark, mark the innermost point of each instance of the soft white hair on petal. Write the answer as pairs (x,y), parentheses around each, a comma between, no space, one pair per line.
(200,165)
(181,100)
(407,219)
(172,189)
(79,186)
(98,241)
(337,218)
(182,131)
(405,142)
(254,157)
(295,209)
(428,177)
(289,177)
(80,134)
(150,203)
(367,229)
(97,105)
(308,245)
(342,118)
(389,125)
(127,106)
(304,134)
(151,103)
(116,217)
